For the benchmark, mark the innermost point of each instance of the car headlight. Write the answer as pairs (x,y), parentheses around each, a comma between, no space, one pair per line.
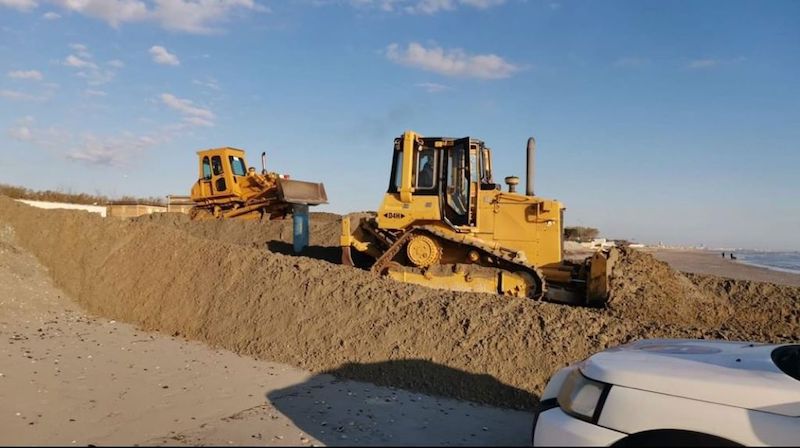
(581,397)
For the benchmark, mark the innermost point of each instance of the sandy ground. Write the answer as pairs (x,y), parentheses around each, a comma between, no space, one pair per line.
(233,285)
(712,263)
(68,378)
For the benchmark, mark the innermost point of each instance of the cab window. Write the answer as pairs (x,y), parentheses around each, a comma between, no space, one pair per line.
(237,166)
(473,166)
(457,196)
(397,174)
(216,165)
(425,173)
(206,168)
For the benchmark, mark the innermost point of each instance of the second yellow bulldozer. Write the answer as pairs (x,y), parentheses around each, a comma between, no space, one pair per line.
(445,223)
(227,188)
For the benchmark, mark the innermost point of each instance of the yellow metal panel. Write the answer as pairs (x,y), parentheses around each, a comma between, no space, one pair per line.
(396,214)
(409,139)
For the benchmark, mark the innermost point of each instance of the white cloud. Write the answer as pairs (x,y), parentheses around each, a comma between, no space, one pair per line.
(114,149)
(198,121)
(162,56)
(88,69)
(423,6)
(26,74)
(114,12)
(210,83)
(93,92)
(453,62)
(20,5)
(21,130)
(50,15)
(432,87)
(198,16)
(105,150)
(430,6)
(25,130)
(708,63)
(482,4)
(44,92)
(74,61)
(22,133)
(192,114)
(17,95)
(97,76)
(191,16)
(81,50)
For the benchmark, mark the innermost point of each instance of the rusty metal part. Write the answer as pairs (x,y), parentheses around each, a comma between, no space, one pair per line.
(347,258)
(301,192)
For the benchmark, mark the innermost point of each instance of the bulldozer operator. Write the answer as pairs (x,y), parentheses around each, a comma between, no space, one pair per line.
(426,175)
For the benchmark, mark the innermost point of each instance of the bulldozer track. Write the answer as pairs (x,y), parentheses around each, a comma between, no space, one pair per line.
(507,255)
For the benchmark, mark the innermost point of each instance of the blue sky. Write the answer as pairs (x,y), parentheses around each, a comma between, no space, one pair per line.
(674,121)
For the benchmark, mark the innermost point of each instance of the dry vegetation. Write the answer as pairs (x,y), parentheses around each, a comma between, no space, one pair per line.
(73,198)
(580,233)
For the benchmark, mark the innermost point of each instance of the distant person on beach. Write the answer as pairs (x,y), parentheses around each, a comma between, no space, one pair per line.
(732,256)
(723,255)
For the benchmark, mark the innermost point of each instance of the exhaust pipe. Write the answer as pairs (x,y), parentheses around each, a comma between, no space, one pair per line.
(263,163)
(530,166)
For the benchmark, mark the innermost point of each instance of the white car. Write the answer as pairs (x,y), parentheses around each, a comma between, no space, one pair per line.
(675,392)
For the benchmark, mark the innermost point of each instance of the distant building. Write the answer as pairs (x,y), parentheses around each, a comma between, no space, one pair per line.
(599,243)
(99,209)
(132,210)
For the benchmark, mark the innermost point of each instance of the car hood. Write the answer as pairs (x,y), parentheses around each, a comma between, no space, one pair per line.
(737,374)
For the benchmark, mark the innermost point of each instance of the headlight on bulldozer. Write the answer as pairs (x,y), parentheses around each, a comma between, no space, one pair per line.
(581,397)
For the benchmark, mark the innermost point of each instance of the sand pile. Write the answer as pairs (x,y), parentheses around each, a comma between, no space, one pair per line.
(214,282)
(645,288)
(276,236)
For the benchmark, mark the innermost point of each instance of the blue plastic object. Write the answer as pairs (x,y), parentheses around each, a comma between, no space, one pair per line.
(300,226)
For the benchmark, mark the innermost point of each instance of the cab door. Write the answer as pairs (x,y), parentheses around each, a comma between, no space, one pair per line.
(459,190)
(205,177)
(219,183)
(474,172)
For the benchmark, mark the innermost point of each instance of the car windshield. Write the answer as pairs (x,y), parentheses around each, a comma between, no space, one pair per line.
(787,358)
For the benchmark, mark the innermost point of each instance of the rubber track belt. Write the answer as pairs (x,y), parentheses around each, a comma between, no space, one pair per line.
(507,255)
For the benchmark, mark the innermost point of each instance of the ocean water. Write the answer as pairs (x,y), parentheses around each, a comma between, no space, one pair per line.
(779,261)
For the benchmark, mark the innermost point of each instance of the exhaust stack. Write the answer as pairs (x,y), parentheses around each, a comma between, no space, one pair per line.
(263,163)
(530,166)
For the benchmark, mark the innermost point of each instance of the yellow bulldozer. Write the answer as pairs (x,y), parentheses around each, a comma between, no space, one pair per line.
(445,223)
(228,188)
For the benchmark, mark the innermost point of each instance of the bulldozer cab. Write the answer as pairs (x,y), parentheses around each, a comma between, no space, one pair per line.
(442,171)
(220,171)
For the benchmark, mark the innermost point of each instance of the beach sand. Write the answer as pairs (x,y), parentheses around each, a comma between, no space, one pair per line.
(69,374)
(711,263)
(69,378)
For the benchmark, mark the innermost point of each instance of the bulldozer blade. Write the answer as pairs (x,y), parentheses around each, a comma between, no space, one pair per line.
(598,285)
(565,296)
(301,192)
